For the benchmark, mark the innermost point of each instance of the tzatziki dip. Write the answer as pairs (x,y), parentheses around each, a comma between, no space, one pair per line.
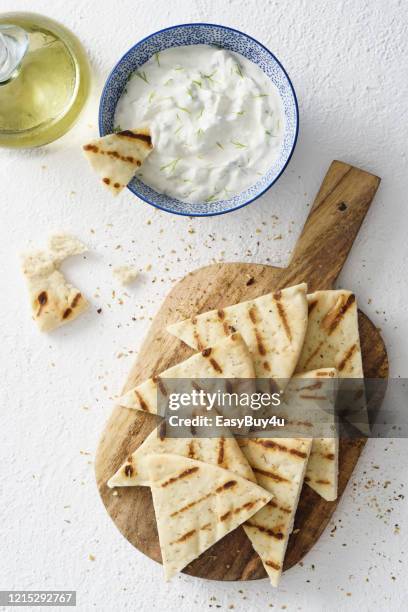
(216,121)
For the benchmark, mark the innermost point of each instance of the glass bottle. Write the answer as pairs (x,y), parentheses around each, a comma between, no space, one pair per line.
(44,80)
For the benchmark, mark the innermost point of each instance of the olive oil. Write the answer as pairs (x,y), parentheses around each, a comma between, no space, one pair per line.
(49,88)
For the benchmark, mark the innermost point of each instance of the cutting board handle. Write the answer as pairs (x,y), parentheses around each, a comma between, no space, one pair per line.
(331,227)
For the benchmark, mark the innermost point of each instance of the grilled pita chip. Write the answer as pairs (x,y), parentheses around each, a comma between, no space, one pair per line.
(54,301)
(333,341)
(196,504)
(223,451)
(273,327)
(309,409)
(230,358)
(116,157)
(279,465)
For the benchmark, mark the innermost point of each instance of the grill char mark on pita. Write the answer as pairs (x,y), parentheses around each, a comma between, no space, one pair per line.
(42,300)
(207,353)
(273,504)
(273,565)
(191,449)
(75,302)
(184,537)
(228,329)
(183,474)
(230,513)
(221,451)
(190,505)
(278,535)
(347,357)
(160,384)
(127,159)
(227,485)
(313,355)
(259,343)
(282,314)
(271,444)
(272,475)
(146,138)
(334,316)
(141,401)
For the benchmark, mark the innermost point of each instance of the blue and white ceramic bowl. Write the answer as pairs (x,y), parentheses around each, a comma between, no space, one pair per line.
(209,34)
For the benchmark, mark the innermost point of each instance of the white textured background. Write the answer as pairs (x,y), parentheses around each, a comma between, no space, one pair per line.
(348,62)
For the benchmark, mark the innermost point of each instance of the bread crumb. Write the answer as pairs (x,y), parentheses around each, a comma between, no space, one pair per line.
(125,274)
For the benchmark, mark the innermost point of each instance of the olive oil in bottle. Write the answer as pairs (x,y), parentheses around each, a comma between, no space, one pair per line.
(42,97)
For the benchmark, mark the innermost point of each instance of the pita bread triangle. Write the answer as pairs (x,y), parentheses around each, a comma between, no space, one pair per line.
(197,504)
(223,452)
(273,326)
(333,341)
(230,358)
(309,407)
(279,465)
(117,157)
(332,338)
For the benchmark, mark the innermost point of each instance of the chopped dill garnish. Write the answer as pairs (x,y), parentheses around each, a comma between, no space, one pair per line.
(238,144)
(151,96)
(190,92)
(178,129)
(168,82)
(208,77)
(240,113)
(238,70)
(117,129)
(220,145)
(198,83)
(171,165)
(201,113)
(184,109)
(211,198)
(157,56)
(261,96)
(179,68)
(142,75)
(200,132)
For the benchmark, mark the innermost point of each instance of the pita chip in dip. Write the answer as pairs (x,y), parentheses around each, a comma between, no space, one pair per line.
(117,157)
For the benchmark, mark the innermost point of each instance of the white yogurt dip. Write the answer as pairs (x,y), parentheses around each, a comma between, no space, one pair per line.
(216,121)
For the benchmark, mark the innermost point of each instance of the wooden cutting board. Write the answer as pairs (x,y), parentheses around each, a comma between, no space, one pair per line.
(327,237)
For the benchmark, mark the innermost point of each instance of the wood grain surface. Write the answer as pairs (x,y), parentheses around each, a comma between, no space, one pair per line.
(327,237)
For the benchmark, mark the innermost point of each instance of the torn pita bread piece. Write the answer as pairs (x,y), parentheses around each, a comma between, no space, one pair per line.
(117,157)
(223,452)
(309,409)
(54,302)
(197,504)
(228,359)
(273,327)
(333,341)
(279,465)
(62,245)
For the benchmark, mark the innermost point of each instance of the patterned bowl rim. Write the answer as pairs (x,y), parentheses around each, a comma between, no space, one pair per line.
(208,25)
